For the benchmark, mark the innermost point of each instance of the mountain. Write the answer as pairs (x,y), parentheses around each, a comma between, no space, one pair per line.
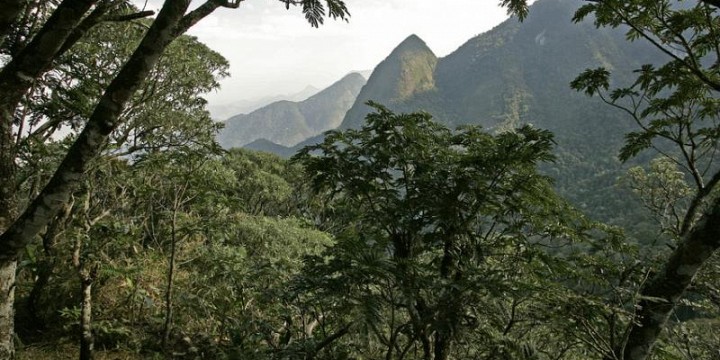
(266,145)
(224,111)
(515,73)
(519,73)
(287,122)
(405,73)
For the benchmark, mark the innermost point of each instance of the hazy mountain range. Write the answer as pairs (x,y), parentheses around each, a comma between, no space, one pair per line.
(514,74)
(290,122)
(246,106)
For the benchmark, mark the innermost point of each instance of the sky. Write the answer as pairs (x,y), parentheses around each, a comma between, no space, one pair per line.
(274,51)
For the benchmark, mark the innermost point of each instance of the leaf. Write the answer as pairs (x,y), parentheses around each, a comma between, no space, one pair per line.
(591,81)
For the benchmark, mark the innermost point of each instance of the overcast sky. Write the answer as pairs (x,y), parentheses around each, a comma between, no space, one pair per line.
(274,51)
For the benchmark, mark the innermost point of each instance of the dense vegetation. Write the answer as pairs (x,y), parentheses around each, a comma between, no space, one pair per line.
(401,238)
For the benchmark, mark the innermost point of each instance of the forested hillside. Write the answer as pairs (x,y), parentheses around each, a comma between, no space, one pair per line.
(467,209)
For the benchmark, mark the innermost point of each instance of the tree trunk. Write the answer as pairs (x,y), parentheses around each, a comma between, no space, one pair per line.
(442,347)
(102,122)
(87,341)
(20,73)
(7,315)
(8,202)
(16,78)
(45,270)
(660,295)
(46,267)
(167,327)
(8,208)
(86,277)
(447,316)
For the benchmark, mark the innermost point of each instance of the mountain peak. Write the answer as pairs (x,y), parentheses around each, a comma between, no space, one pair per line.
(407,71)
(412,43)
(413,39)
(354,75)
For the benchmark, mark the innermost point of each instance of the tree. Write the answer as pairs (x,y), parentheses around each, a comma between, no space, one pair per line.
(437,219)
(264,182)
(225,286)
(166,115)
(90,211)
(676,109)
(175,182)
(68,23)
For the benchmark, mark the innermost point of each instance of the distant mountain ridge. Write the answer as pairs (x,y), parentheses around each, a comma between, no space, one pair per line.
(287,123)
(245,106)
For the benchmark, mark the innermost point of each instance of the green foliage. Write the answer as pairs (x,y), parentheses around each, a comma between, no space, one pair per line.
(444,222)
(169,112)
(663,191)
(440,243)
(315,12)
(117,231)
(516,74)
(516,7)
(675,109)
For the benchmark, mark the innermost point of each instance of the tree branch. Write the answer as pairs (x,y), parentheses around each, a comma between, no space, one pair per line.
(94,18)
(697,201)
(20,73)
(659,296)
(204,10)
(329,340)
(695,70)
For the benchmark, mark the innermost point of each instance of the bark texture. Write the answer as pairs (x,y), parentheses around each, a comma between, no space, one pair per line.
(661,294)
(87,341)
(7,168)
(7,315)
(167,326)
(16,78)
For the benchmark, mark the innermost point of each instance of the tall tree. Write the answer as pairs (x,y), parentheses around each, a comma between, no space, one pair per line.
(64,27)
(440,218)
(60,31)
